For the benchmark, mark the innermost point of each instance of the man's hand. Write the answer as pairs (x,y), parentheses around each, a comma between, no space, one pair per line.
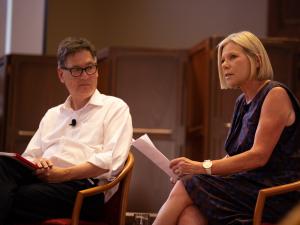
(53,174)
(43,163)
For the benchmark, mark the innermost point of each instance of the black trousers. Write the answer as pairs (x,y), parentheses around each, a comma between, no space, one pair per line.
(25,198)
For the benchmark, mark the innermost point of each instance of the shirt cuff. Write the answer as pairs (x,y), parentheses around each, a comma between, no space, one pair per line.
(104,161)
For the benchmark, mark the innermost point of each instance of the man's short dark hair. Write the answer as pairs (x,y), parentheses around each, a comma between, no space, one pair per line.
(72,45)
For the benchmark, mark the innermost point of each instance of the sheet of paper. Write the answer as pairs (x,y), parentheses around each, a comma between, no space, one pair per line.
(146,147)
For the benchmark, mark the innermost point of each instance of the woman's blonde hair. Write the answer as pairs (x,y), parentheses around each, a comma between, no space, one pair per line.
(254,50)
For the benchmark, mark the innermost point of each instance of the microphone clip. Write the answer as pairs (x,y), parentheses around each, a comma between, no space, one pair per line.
(73,123)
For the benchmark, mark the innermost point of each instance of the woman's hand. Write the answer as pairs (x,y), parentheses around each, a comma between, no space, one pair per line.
(183,166)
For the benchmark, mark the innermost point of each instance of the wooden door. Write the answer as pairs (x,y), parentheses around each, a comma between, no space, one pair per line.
(284,54)
(216,104)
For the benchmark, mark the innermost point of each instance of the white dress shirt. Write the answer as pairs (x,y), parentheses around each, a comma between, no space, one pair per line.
(102,136)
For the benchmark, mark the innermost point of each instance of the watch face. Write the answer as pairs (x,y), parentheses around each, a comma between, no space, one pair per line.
(207,164)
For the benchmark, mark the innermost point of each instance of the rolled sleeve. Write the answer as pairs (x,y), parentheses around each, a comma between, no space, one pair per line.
(103,160)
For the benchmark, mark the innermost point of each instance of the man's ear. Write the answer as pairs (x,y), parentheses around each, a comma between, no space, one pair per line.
(60,75)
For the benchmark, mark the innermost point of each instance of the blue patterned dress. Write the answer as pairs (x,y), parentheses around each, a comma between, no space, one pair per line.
(231,199)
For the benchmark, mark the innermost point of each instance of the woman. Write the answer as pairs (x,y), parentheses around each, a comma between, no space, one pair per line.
(262,147)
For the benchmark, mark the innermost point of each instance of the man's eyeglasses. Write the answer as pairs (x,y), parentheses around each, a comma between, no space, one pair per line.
(77,71)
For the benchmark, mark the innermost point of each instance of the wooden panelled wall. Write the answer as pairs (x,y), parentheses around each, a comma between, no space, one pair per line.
(161,95)
(284,18)
(174,96)
(28,87)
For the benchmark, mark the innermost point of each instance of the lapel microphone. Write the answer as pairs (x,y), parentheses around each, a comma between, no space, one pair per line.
(73,123)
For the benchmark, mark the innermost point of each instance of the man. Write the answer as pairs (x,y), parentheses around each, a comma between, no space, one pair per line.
(79,144)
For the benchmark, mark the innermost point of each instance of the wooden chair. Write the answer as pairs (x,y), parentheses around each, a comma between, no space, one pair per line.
(267,192)
(114,209)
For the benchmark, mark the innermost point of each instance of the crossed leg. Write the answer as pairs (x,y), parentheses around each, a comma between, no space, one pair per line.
(179,209)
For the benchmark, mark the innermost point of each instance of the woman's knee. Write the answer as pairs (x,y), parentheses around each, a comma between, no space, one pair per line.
(191,215)
(179,192)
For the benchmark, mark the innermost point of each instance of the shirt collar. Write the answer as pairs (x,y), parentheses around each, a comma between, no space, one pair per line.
(96,99)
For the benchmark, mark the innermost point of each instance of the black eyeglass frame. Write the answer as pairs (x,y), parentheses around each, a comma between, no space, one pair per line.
(85,69)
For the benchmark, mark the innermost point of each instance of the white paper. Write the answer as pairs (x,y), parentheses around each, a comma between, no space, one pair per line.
(145,146)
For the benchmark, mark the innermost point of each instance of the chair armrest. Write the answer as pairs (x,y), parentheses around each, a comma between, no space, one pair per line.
(267,192)
(99,189)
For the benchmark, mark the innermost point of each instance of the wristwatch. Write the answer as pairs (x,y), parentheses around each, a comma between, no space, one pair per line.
(207,164)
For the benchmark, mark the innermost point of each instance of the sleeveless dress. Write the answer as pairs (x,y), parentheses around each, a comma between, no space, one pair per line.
(231,199)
